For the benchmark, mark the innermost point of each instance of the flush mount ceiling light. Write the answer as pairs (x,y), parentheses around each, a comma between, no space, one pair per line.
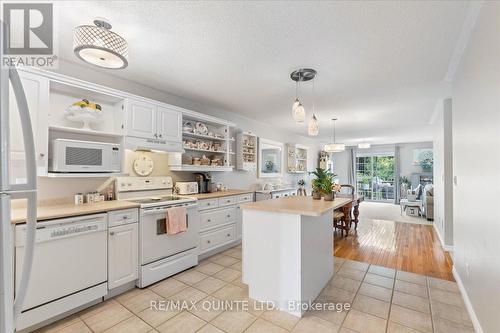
(300,75)
(364,145)
(334,147)
(100,46)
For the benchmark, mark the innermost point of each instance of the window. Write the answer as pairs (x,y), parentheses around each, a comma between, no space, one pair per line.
(375,176)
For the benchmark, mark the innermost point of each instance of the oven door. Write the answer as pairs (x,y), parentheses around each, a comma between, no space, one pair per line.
(156,243)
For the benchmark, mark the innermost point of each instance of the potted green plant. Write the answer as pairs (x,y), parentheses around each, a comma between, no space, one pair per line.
(322,184)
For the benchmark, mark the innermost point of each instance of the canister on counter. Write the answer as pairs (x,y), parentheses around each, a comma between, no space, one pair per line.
(78,199)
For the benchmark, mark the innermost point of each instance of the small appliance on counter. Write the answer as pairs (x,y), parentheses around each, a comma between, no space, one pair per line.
(204,182)
(184,188)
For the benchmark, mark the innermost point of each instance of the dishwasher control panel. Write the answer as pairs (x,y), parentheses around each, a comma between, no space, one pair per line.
(62,228)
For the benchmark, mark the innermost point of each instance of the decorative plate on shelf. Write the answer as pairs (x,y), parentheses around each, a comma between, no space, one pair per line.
(143,165)
(201,128)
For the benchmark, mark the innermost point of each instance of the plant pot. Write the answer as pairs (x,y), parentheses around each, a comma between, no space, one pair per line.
(316,195)
(329,196)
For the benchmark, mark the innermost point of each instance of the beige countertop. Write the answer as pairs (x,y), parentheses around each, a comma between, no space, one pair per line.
(298,205)
(218,194)
(54,211)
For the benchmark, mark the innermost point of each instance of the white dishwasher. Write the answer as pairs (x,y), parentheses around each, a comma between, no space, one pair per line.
(69,266)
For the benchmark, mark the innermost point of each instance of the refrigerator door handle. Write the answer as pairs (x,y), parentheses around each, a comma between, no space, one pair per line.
(29,142)
(29,189)
(29,249)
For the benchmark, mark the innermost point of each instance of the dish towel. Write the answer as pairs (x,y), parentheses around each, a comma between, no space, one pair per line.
(176,220)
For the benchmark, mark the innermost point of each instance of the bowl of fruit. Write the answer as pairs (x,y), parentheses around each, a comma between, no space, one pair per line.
(85,112)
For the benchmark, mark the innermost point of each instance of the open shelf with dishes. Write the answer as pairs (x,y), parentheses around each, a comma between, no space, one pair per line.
(246,151)
(296,158)
(207,143)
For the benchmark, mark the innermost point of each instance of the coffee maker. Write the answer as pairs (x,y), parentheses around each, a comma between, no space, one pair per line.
(204,181)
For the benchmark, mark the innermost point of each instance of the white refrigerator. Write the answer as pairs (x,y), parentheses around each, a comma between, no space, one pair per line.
(21,188)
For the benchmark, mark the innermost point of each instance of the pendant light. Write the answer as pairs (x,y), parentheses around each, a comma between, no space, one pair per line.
(300,75)
(99,46)
(334,147)
(313,127)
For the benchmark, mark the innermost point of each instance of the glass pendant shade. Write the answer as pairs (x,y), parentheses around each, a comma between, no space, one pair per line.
(295,104)
(299,113)
(99,46)
(334,147)
(313,127)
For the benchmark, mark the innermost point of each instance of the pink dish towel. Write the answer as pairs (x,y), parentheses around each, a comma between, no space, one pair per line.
(176,220)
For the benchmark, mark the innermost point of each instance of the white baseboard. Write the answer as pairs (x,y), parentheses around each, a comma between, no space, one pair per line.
(468,304)
(448,248)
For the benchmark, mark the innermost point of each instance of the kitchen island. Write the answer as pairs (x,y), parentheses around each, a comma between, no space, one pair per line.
(288,250)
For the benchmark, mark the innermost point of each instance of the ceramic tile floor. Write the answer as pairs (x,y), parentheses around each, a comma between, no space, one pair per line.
(383,300)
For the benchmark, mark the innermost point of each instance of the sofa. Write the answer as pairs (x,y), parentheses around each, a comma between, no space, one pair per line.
(428,202)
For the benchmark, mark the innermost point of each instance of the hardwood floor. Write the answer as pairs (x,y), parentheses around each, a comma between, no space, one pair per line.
(405,246)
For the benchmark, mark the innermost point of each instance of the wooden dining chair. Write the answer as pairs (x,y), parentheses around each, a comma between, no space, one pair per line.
(340,220)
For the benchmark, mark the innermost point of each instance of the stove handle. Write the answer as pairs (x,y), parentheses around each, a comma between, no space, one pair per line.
(149,211)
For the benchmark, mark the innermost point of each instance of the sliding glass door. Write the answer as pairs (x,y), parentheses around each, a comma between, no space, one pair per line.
(375,176)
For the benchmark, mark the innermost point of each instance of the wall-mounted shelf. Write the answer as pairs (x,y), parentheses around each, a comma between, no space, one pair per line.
(246,149)
(83,131)
(202,136)
(85,175)
(189,167)
(296,158)
(204,150)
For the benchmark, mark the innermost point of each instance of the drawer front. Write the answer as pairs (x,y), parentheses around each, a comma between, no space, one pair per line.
(208,204)
(227,201)
(120,217)
(245,197)
(211,219)
(229,215)
(216,238)
(214,218)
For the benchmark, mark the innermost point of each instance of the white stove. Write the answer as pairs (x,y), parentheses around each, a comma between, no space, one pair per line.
(161,255)
(149,191)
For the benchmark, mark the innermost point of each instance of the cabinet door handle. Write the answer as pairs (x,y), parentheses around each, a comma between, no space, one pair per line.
(208,241)
(209,220)
(161,136)
(125,217)
(228,235)
(112,233)
(228,215)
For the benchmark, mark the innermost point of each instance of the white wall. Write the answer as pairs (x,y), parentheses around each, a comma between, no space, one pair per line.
(443,173)
(476,164)
(52,188)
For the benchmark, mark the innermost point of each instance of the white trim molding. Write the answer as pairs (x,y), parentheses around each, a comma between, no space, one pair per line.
(445,247)
(468,304)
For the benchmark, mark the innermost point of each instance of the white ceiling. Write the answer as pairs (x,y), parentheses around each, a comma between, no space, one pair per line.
(381,65)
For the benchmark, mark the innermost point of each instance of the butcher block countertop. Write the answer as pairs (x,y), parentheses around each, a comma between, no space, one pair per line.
(54,211)
(298,205)
(218,194)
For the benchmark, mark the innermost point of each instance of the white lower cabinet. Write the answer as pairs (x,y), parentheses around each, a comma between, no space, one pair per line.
(220,221)
(123,258)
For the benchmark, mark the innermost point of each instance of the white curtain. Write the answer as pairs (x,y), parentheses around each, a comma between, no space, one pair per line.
(352,167)
(397,171)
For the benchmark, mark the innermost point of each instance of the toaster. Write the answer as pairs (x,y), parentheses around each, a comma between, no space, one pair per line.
(186,188)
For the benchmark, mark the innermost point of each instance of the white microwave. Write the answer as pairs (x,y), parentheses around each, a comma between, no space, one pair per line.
(84,156)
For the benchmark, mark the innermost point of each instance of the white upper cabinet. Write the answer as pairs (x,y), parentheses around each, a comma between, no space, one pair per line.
(141,120)
(169,124)
(36,89)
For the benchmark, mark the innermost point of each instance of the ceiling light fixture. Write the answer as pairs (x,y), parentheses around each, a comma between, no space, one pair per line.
(364,145)
(334,147)
(300,75)
(100,46)
(313,127)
